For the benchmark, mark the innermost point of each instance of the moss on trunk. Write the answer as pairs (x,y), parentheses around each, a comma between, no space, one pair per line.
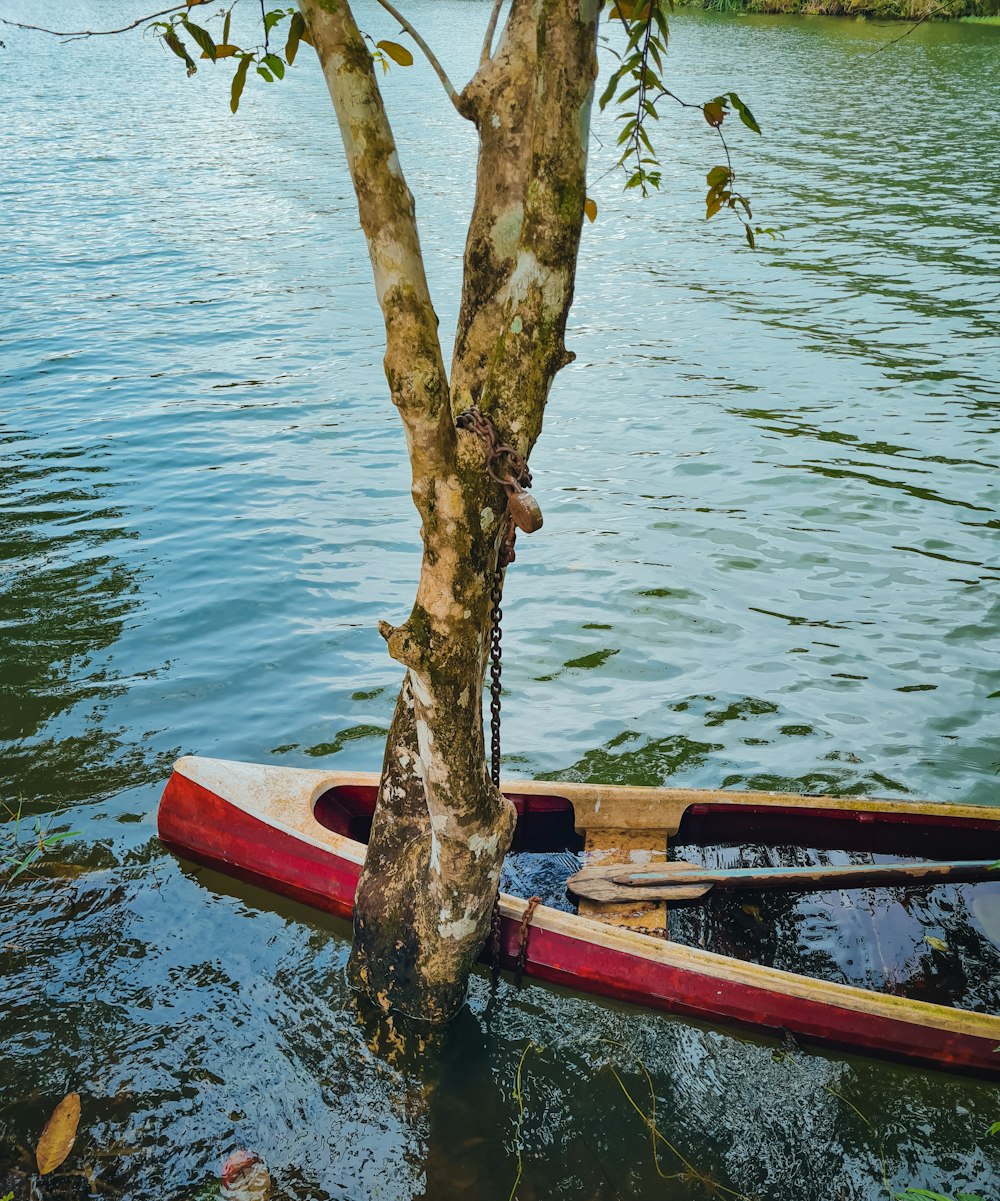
(441,828)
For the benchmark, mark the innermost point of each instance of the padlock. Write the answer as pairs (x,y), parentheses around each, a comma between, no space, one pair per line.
(522,507)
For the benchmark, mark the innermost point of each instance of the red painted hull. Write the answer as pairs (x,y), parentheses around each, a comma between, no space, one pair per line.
(573,952)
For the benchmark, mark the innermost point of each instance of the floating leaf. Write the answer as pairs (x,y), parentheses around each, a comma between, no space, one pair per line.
(937,944)
(399,54)
(59,1134)
(590,208)
(995,1128)
(296,29)
(239,81)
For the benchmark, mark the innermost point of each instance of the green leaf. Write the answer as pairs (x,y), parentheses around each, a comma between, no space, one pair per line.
(225,27)
(295,31)
(239,81)
(201,36)
(717,176)
(272,18)
(399,54)
(178,47)
(995,1128)
(751,242)
(50,840)
(911,1194)
(265,74)
(609,91)
(275,64)
(746,116)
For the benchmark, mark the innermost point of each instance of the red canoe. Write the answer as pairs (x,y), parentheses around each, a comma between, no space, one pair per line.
(302,834)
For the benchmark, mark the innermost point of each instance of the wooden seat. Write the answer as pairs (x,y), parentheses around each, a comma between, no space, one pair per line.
(641,848)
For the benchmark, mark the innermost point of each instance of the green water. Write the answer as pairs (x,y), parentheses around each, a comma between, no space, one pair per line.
(769,559)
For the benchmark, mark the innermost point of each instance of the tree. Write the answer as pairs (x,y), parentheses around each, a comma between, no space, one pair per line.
(442,827)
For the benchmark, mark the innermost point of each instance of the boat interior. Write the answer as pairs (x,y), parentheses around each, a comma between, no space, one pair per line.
(933,942)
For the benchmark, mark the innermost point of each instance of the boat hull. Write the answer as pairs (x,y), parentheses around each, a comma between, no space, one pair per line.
(260,824)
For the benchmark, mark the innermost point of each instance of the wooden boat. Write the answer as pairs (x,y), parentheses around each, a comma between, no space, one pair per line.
(302,834)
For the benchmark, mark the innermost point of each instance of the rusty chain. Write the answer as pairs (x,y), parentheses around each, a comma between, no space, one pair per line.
(507,467)
(522,943)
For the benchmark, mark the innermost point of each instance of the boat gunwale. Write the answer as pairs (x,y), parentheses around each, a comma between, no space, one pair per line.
(590,931)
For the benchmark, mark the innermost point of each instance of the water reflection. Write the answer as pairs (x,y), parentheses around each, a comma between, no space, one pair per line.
(66,596)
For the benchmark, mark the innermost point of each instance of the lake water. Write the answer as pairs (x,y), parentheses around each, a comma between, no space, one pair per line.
(769,560)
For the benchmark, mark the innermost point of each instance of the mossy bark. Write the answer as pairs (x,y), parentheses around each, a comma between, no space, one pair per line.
(441,828)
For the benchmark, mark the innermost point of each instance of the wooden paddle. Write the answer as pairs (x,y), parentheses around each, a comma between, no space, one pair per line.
(684,881)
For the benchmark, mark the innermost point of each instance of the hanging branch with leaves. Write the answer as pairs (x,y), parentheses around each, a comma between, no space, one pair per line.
(637,86)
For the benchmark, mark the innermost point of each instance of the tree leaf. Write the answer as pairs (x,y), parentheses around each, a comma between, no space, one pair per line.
(178,47)
(272,18)
(224,50)
(225,27)
(717,176)
(715,112)
(751,241)
(275,65)
(295,31)
(201,36)
(746,116)
(399,54)
(590,208)
(265,74)
(239,81)
(59,1134)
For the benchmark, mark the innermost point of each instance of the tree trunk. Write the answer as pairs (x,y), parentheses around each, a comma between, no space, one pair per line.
(441,828)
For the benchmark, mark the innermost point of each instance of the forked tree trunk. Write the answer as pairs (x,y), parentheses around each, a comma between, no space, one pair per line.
(441,828)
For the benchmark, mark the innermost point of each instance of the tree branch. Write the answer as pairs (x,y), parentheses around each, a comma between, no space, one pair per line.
(414,365)
(532,104)
(427,51)
(490,30)
(98,33)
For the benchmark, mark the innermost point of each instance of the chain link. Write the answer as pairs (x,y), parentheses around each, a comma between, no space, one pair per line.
(522,944)
(497,454)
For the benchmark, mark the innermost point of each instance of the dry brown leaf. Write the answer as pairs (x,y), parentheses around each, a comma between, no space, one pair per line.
(59,1134)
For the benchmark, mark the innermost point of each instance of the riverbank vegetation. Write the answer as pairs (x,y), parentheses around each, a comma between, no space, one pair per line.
(902,10)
